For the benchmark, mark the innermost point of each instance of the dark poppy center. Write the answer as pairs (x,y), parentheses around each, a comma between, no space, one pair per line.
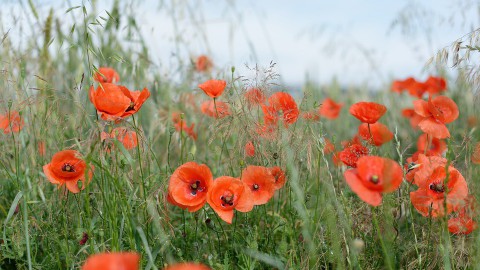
(437,187)
(131,107)
(195,187)
(374,179)
(227,200)
(68,168)
(256,187)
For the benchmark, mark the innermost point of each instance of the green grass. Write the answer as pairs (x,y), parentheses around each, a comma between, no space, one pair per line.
(314,222)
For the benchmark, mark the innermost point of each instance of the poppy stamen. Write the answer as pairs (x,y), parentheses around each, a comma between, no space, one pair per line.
(196,187)
(437,187)
(227,200)
(68,168)
(374,179)
(256,187)
(131,107)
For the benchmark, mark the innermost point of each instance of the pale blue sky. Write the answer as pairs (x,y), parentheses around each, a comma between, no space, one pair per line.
(350,39)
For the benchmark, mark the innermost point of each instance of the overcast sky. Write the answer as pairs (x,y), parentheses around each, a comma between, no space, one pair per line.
(352,40)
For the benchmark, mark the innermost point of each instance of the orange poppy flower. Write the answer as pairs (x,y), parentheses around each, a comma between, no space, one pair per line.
(436,113)
(373,177)
(380,133)
(203,64)
(188,186)
(228,193)
(368,112)
(476,154)
(249,149)
(113,261)
(463,222)
(255,96)
(222,110)
(213,88)
(11,122)
(67,168)
(437,146)
(351,154)
(330,109)
(279,176)
(115,101)
(260,181)
(412,116)
(127,137)
(280,103)
(430,196)
(435,85)
(187,266)
(106,75)
(311,115)
(399,86)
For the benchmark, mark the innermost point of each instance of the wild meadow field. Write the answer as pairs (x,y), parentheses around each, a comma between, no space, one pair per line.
(108,163)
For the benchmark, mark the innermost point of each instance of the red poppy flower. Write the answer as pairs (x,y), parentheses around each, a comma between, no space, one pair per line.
(127,137)
(329,147)
(311,115)
(203,64)
(222,109)
(417,89)
(368,112)
(106,75)
(380,133)
(249,149)
(115,101)
(330,109)
(463,222)
(280,103)
(213,88)
(400,85)
(435,85)
(181,125)
(436,113)
(188,186)
(373,177)
(434,187)
(187,266)
(414,118)
(424,166)
(476,154)
(11,122)
(112,261)
(67,168)
(261,182)
(355,140)
(255,96)
(436,146)
(351,154)
(228,193)
(279,176)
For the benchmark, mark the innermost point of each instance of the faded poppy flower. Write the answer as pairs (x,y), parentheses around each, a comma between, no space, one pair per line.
(336,159)
(399,86)
(417,89)
(412,116)
(213,88)
(435,146)
(203,63)
(267,131)
(436,113)
(181,125)
(279,176)
(463,222)
(476,154)
(283,104)
(260,181)
(115,101)
(113,261)
(188,186)
(127,137)
(249,149)
(311,115)
(329,147)
(330,109)
(42,150)
(228,193)
(350,155)
(368,112)
(373,177)
(434,187)
(377,135)
(67,168)
(11,122)
(435,85)
(106,75)
(187,266)
(472,121)
(222,109)
(255,96)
